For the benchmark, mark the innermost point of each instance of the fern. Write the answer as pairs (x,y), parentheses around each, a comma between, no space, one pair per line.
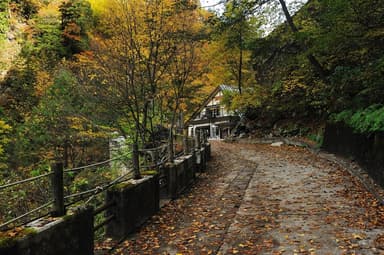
(367,120)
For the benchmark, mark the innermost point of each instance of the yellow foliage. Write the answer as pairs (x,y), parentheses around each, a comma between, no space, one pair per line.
(247,99)
(50,11)
(296,81)
(4,131)
(99,6)
(43,82)
(84,129)
(224,64)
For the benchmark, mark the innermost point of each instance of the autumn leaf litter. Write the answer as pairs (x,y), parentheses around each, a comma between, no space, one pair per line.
(260,199)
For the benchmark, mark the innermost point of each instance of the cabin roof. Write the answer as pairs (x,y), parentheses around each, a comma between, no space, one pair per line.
(219,88)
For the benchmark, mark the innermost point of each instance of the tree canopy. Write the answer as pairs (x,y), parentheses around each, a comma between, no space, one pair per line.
(85,69)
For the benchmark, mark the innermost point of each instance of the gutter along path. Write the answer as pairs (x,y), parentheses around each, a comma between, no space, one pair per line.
(259,199)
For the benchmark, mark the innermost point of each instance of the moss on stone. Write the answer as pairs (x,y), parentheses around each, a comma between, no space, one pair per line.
(149,172)
(121,186)
(10,238)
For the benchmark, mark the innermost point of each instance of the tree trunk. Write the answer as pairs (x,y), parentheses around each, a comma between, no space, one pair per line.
(240,70)
(288,16)
(312,59)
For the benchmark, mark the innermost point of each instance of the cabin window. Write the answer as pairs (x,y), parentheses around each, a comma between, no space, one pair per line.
(215,112)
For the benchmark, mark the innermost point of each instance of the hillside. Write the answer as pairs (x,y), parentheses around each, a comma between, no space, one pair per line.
(73,75)
(74,72)
(11,37)
(346,37)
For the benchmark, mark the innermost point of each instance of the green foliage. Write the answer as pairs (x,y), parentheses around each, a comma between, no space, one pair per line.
(5,130)
(238,24)
(77,19)
(346,36)
(47,48)
(19,85)
(80,184)
(235,31)
(317,138)
(248,99)
(42,168)
(227,98)
(3,18)
(343,116)
(28,8)
(366,120)
(50,119)
(7,242)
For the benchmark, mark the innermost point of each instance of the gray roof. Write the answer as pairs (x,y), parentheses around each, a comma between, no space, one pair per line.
(222,87)
(229,88)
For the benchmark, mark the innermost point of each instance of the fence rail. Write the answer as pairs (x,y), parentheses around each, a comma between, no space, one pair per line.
(24,181)
(159,156)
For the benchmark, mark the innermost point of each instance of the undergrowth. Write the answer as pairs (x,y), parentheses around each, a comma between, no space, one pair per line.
(366,120)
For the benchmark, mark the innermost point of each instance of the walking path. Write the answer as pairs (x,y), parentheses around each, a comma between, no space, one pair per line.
(259,199)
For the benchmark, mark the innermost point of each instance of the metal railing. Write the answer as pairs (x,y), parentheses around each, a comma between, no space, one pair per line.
(61,201)
(58,196)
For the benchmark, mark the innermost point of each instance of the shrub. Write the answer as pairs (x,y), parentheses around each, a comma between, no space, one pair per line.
(366,120)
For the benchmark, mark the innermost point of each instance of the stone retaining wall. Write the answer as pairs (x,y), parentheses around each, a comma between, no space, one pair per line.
(71,234)
(139,200)
(133,201)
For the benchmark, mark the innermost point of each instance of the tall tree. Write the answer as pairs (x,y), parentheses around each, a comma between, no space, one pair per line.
(236,26)
(130,58)
(312,59)
(76,20)
(189,39)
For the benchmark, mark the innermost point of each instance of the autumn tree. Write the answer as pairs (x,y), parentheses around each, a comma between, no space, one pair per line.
(189,40)
(4,140)
(3,18)
(237,25)
(76,21)
(343,41)
(311,58)
(239,11)
(59,125)
(130,56)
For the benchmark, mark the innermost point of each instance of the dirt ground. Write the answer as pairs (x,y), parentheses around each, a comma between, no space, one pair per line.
(260,199)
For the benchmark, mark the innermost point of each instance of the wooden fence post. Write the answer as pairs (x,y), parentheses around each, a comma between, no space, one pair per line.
(58,190)
(135,161)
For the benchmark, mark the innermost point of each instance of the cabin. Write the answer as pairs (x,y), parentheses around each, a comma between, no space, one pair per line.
(212,117)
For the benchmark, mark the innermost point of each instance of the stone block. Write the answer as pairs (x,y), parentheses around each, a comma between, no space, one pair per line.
(71,234)
(135,201)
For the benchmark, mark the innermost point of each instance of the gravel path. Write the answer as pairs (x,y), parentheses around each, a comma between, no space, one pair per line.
(259,199)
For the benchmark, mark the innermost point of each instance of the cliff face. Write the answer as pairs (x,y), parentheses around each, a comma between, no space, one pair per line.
(11,48)
(14,26)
